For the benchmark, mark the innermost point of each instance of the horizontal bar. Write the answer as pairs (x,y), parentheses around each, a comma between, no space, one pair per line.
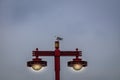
(52,53)
(43,53)
(71,53)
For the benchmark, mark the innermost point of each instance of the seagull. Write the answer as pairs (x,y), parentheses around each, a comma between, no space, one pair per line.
(59,38)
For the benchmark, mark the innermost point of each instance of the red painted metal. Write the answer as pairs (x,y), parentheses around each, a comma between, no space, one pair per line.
(52,53)
(70,53)
(57,61)
(57,68)
(57,53)
(43,53)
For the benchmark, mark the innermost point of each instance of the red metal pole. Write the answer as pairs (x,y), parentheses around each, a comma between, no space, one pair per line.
(57,68)
(57,61)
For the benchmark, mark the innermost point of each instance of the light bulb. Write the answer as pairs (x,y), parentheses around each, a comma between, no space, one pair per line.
(77,66)
(36,67)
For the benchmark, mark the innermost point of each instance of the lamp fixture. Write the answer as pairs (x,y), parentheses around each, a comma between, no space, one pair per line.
(77,64)
(37,63)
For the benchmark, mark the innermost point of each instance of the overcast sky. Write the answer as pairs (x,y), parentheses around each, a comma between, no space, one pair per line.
(93,26)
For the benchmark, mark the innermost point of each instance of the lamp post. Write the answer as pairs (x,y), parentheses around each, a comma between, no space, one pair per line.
(37,62)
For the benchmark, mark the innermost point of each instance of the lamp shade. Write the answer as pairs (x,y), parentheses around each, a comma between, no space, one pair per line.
(77,64)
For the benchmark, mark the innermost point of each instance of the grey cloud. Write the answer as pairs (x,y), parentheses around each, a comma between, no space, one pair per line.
(92,26)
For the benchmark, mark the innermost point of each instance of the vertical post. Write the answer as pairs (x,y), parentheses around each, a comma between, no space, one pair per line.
(57,68)
(57,61)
